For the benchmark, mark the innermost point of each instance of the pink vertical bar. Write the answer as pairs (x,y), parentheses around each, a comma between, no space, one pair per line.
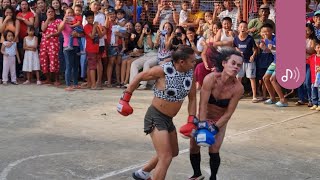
(291,43)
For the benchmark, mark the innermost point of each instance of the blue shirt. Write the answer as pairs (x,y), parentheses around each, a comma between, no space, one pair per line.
(273,42)
(246,47)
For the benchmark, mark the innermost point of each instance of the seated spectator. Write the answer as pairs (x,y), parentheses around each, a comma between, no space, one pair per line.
(149,59)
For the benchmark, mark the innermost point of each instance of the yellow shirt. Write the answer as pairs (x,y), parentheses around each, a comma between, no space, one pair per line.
(193,17)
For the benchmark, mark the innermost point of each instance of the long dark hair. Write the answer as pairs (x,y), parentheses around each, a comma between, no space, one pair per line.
(313,33)
(28,5)
(13,13)
(196,37)
(218,56)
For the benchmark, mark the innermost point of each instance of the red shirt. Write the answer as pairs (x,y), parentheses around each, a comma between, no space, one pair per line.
(90,46)
(23,27)
(76,19)
(314,61)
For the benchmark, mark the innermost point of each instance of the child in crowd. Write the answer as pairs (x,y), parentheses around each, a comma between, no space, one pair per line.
(184,13)
(31,56)
(200,27)
(268,44)
(76,24)
(314,62)
(245,44)
(207,27)
(121,22)
(264,58)
(9,51)
(92,49)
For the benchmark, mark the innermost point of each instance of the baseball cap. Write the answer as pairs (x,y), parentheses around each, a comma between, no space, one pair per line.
(264,6)
(317,13)
(111,10)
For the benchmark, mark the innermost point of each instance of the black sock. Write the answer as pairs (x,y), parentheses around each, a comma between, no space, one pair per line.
(214,165)
(195,160)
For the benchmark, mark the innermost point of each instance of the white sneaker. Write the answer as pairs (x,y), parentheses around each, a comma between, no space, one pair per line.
(38,82)
(142,87)
(314,107)
(141,175)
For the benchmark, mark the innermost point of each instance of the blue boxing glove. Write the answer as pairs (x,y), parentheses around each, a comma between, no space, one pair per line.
(204,136)
(213,129)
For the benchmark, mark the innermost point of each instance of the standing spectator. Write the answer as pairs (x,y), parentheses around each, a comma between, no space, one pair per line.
(8,22)
(268,44)
(272,14)
(113,48)
(195,15)
(59,14)
(31,57)
(101,20)
(231,11)
(71,56)
(92,49)
(225,36)
(9,51)
(166,13)
(184,13)
(314,62)
(256,24)
(207,27)
(316,19)
(26,18)
(40,17)
(245,44)
(49,47)
(310,49)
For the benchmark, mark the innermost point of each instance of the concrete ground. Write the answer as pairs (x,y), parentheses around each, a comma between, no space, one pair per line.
(47,133)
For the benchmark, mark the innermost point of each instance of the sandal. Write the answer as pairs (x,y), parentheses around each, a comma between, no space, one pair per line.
(77,87)
(280,104)
(57,83)
(298,103)
(255,100)
(46,82)
(69,89)
(26,82)
(96,88)
(269,101)
(109,85)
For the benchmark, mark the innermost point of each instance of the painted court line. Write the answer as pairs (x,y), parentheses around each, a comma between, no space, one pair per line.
(5,172)
(130,168)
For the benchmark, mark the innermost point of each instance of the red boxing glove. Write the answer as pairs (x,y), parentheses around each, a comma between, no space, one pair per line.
(123,106)
(188,130)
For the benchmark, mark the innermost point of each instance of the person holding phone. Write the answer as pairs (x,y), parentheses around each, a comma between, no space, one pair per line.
(166,13)
(149,59)
(178,38)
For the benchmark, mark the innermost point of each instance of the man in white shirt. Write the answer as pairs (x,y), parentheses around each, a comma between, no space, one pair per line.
(231,11)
